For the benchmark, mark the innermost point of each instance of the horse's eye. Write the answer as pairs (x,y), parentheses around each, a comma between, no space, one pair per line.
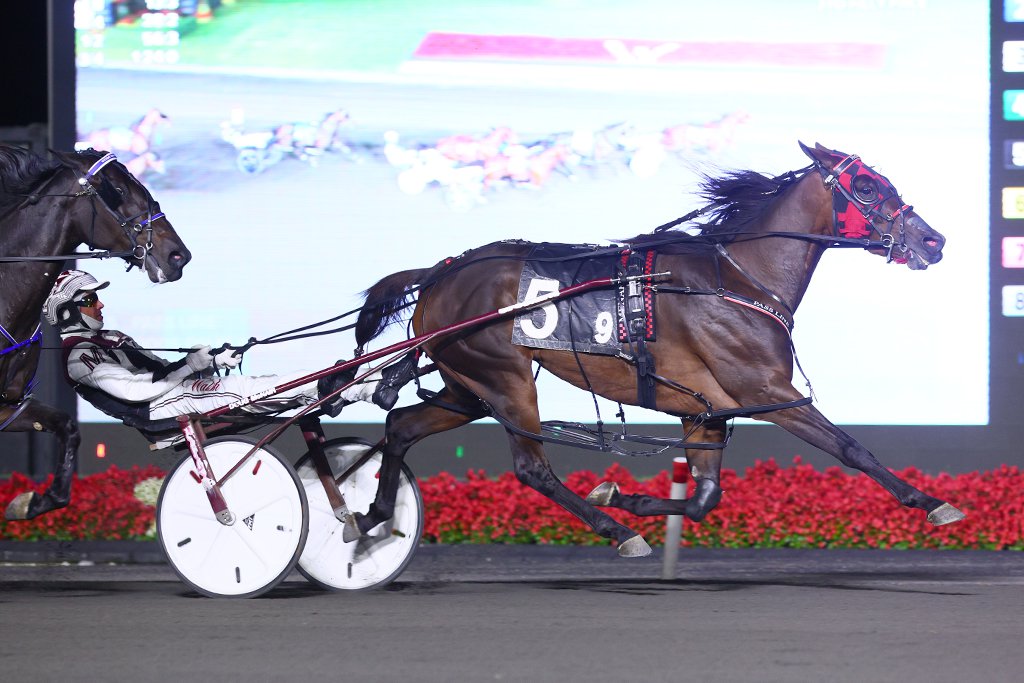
(866,190)
(121,191)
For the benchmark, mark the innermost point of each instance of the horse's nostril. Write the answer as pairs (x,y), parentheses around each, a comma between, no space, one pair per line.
(931,243)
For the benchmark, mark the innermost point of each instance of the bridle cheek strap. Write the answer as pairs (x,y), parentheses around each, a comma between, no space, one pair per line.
(141,251)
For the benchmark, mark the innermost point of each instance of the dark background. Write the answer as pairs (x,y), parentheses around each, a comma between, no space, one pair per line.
(37,110)
(24,53)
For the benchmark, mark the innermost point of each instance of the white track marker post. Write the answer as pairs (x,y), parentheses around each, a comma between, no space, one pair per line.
(674,523)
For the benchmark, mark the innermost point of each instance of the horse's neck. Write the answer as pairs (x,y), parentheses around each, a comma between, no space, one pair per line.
(25,287)
(783,265)
(34,230)
(45,227)
(146,124)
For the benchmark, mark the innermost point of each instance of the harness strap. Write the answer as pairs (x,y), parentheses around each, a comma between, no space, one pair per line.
(428,396)
(67,257)
(750,411)
(596,440)
(13,369)
(17,411)
(735,298)
(728,257)
(636,320)
(98,166)
(15,345)
(754,305)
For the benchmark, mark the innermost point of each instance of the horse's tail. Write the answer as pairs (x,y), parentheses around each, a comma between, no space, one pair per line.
(385,301)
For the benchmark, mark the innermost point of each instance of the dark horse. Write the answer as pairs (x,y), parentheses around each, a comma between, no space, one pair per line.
(48,208)
(761,241)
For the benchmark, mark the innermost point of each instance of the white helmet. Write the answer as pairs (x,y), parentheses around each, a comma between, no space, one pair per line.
(60,308)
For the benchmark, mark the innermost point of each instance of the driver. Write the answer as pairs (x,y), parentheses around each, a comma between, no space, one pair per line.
(111,371)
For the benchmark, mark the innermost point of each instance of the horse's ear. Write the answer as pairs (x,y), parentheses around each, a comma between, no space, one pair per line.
(66,158)
(821,154)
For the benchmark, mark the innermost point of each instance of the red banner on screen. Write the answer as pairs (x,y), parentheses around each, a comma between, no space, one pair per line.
(628,51)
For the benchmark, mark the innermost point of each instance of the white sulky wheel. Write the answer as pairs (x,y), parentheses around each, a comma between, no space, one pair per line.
(256,552)
(379,556)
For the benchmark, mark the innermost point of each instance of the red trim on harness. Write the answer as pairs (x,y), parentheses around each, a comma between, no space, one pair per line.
(648,296)
(759,310)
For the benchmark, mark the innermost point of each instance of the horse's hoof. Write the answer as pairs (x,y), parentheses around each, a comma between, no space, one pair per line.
(18,508)
(350,529)
(945,514)
(602,495)
(634,547)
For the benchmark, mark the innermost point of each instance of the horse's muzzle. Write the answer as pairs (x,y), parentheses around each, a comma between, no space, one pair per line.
(925,244)
(167,269)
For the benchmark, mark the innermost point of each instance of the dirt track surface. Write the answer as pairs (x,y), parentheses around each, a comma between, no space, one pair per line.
(537,614)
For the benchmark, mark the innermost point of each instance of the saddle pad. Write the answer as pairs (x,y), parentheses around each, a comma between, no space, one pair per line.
(589,322)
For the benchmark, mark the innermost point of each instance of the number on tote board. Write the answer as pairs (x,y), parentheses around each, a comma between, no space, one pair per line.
(1013,252)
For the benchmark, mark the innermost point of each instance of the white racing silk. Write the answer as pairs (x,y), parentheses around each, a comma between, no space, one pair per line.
(113,363)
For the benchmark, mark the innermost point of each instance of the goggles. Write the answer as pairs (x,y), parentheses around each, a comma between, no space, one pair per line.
(88,301)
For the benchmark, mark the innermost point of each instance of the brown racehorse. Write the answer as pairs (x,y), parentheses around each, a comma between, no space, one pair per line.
(760,242)
(48,208)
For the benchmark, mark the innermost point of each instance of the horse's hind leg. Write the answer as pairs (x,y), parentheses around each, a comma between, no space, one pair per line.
(406,426)
(44,418)
(706,468)
(810,425)
(533,469)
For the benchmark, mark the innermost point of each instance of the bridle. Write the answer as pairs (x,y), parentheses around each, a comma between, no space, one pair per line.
(853,217)
(111,200)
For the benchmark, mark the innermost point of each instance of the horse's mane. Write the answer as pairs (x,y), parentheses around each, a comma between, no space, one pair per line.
(20,171)
(736,199)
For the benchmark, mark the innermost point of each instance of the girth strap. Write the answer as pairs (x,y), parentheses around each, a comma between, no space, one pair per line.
(636,321)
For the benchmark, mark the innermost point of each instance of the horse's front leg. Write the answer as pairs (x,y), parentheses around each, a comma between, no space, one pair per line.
(810,425)
(40,417)
(705,467)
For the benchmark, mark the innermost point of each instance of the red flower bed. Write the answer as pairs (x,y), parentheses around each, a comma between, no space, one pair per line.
(769,506)
(103,507)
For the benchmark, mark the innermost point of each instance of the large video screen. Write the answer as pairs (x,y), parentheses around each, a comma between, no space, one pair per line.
(304,149)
